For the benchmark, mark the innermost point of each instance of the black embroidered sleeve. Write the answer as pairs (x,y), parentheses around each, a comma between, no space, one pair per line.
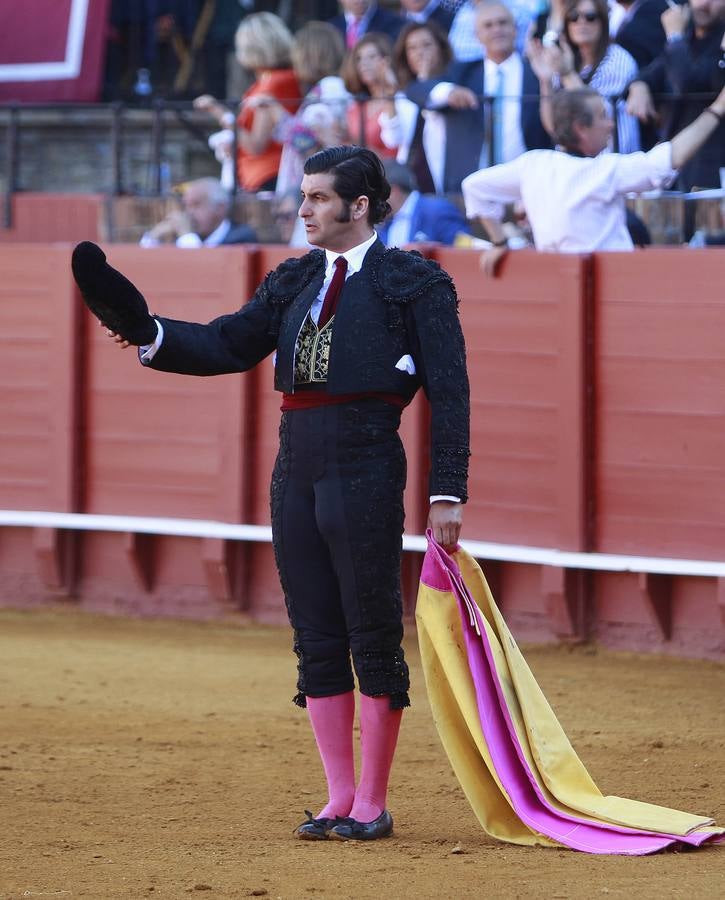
(424,295)
(237,342)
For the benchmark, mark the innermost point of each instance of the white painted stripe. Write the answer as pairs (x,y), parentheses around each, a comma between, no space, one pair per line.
(601,562)
(70,67)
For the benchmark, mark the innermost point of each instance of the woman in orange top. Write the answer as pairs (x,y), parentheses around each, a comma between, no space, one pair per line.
(263,44)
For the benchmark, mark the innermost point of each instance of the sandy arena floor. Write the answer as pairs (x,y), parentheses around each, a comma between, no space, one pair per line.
(164,759)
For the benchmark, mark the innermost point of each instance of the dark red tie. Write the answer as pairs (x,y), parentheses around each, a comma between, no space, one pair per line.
(333,292)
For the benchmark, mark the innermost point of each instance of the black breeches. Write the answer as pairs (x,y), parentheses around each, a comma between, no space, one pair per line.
(337,522)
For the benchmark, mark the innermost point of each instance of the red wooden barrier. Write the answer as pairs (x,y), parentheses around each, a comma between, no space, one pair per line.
(44,218)
(525,340)
(551,351)
(165,445)
(660,440)
(39,381)
(660,407)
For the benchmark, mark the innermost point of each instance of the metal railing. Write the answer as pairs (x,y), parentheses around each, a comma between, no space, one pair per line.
(193,121)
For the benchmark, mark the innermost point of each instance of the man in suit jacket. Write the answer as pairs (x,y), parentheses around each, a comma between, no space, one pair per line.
(356,329)
(639,29)
(482,132)
(427,11)
(358,17)
(202,221)
(416,217)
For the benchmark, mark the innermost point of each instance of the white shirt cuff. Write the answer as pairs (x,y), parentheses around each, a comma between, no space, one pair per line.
(189,241)
(439,95)
(148,351)
(445,497)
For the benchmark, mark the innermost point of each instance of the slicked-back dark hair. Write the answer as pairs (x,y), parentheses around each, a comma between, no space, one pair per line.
(356,172)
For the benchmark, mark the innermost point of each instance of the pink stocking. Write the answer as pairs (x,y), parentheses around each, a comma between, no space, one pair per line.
(379,726)
(332,721)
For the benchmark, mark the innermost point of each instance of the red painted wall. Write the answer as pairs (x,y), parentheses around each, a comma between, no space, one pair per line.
(597,423)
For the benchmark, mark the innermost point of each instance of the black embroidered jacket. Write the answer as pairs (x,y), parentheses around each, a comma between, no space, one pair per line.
(399,303)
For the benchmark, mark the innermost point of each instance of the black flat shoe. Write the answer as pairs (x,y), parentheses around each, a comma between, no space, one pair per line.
(315,829)
(352,830)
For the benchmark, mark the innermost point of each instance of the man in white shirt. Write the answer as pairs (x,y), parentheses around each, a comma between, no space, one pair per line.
(356,329)
(574,197)
(201,221)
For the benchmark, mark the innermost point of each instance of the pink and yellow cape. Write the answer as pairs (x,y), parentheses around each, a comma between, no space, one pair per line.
(510,754)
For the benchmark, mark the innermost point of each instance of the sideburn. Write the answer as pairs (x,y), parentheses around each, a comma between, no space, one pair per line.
(345,214)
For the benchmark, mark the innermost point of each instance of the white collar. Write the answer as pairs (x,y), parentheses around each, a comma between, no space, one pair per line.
(408,207)
(354,256)
(506,66)
(364,18)
(425,13)
(218,235)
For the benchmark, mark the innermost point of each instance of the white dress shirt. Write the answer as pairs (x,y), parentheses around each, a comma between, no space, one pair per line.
(399,131)
(512,69)
(399,230)
(574,204)
(191,240)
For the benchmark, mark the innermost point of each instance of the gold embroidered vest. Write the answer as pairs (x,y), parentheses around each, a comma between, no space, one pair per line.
(312,352)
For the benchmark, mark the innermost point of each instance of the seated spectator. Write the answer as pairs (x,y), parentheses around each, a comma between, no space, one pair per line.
(320,122)
(584,55)
(263,45)
(417,217)
(290,228)
(359,17)
(691,63)
(462,33)
(493,131)
(421,52)
(202,220)
(574,197)
(368,75)
(423,11)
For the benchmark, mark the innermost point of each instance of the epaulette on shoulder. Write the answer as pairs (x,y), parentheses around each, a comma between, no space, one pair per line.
(282,284)
(404,275)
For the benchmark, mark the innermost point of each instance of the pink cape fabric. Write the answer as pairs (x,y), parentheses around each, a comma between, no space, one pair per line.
(522,788)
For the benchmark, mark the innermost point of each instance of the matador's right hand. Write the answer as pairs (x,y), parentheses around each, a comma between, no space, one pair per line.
(111,297)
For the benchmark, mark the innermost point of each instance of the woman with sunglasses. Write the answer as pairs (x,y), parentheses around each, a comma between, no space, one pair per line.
(585,57)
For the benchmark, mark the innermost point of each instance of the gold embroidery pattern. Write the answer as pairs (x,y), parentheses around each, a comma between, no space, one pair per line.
(312,352)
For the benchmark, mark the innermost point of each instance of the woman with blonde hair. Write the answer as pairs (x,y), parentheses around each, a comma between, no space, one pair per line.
(263,45)
(317,53)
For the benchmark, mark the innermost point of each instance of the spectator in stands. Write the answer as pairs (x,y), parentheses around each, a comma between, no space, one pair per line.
(320,122)
(368,75)
(416,217)
(636,25)
(462,33)
(422,11)
(359,17)
(584,55)
(263,45)
(692,62)
(574,196)
(421,52)
(509,123)
(202,220)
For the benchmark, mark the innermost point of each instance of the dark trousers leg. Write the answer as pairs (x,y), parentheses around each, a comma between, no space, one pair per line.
(337,519)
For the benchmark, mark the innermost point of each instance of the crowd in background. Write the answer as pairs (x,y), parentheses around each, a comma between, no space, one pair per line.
(443,88)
